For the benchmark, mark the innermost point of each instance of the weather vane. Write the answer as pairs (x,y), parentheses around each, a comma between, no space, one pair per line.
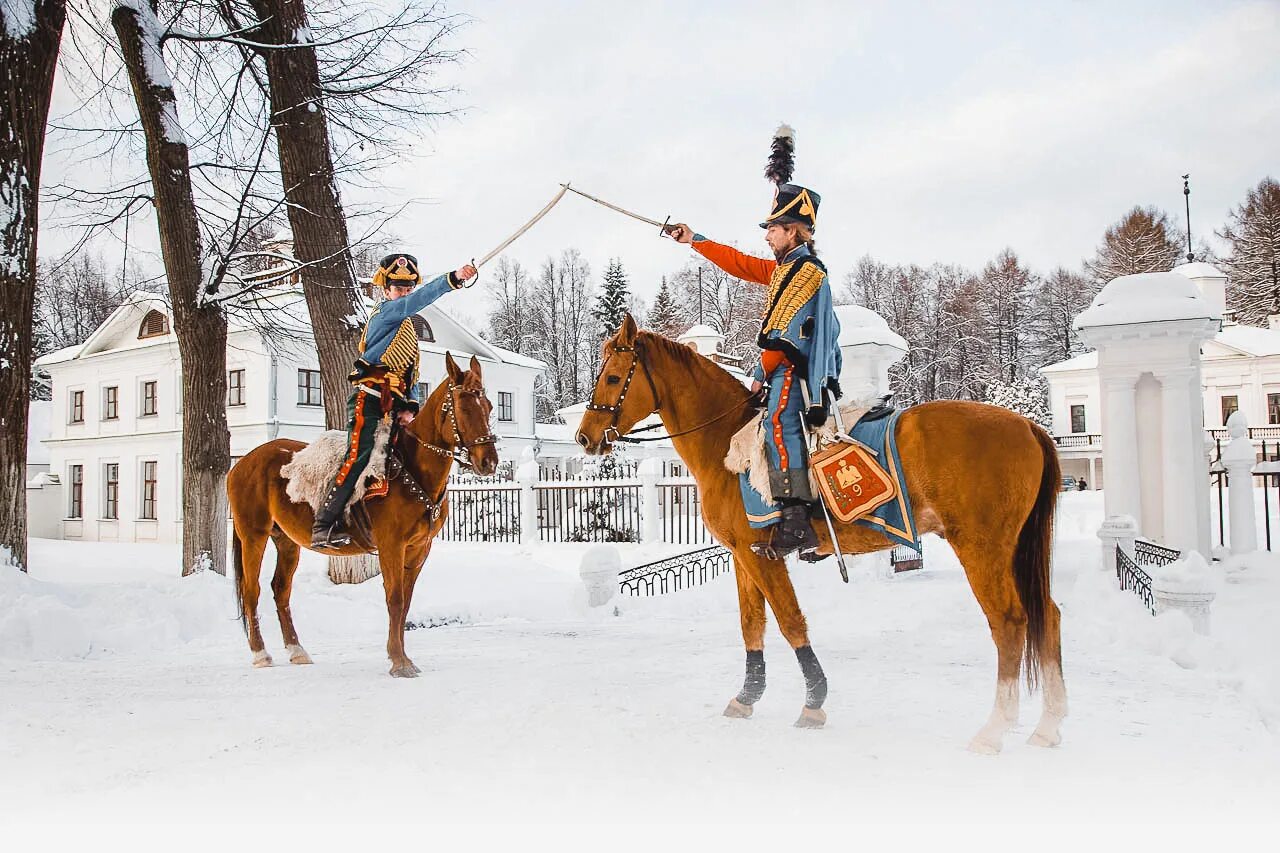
(1186,192)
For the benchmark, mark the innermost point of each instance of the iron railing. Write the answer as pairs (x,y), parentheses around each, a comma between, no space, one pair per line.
(1079,439)
(676,573)
(680,505)
(482,513)
(1147,553)
(906,559)
(580,511)
(1134,578)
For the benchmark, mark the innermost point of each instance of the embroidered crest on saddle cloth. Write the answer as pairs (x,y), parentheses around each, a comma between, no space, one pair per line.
(851,481)
(747,453)
(312,468)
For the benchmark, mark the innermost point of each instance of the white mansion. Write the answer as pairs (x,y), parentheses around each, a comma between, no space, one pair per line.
(1240,370)
(115,433)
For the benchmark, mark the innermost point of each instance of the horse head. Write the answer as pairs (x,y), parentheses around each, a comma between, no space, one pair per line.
(624,392)
(463,421)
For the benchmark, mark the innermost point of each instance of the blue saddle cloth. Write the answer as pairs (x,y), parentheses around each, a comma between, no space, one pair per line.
(892,518)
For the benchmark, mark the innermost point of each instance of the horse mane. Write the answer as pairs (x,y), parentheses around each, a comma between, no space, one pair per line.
(690,359)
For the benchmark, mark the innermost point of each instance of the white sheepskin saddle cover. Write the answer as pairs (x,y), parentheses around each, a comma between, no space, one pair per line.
(747,453)
(313,468)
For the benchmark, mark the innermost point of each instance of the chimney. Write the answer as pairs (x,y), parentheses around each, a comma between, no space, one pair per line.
(1212,284)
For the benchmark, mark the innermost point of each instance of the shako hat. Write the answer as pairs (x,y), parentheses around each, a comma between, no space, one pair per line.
(791,202)
(398,269)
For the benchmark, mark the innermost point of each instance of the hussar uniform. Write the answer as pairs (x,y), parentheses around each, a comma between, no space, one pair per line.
(384,383)
(800,361)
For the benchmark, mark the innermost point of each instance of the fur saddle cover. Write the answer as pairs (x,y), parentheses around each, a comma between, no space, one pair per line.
(747,453)
(313,467)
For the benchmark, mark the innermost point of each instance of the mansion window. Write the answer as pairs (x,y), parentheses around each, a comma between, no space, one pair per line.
(111,491)
(77,407)
(506,406)
(148,491)
(76,509)
(1273,408)
(423,328)
(149,398)
(155,323)
(1230,405)
(110,402)
(424,391)
(235,387)
(1077,419)
(309,388)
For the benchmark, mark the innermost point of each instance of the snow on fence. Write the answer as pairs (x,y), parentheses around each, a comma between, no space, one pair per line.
(692,568)
(627,503)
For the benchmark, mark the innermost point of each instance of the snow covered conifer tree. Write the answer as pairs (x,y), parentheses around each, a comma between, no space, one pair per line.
(1027,395)
(30,35)
(1141,241)
(1253,263)
(614,298)
(664,315)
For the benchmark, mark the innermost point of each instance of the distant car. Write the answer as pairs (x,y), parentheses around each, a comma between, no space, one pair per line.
(1070,484)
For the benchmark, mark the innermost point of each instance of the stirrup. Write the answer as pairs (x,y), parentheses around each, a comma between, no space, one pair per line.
(332,538)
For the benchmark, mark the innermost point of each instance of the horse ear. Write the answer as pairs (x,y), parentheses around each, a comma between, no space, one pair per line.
(475,367)
(455,372)
(627,332)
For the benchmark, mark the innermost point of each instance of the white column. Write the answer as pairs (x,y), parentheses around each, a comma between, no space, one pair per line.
(1182,447)
(649,471)
(1239,458)
(1119,530)
(1093,473)
(527,476)
(1120,448)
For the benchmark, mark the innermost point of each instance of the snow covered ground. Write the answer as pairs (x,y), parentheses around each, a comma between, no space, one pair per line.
(126,693)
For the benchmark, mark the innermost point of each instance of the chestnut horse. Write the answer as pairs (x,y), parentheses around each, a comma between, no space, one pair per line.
(453,423)
(982,477)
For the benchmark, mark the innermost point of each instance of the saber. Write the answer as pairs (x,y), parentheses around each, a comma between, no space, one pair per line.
(523,228)
(664,226)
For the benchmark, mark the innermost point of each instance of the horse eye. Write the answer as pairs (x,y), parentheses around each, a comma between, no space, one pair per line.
(613,380)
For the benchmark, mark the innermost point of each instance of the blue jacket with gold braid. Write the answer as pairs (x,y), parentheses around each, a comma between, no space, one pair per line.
(389,345)
(800,320)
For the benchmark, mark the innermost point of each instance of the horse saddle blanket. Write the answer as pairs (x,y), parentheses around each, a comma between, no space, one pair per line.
(874,493)
(312,469)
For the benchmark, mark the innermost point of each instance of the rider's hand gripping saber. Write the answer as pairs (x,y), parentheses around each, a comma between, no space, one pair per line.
(809,441)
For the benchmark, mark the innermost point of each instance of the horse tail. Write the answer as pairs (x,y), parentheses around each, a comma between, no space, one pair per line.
(1031,559)
(237,562)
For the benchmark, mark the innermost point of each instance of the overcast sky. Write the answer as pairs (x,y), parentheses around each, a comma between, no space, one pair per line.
(933,132)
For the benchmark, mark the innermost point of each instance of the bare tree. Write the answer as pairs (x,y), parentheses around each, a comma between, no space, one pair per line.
(201,327)
(559,319)
(1253,262)
(30,36)
(731,306)
(1054,303)
(510,292)
(1142,241)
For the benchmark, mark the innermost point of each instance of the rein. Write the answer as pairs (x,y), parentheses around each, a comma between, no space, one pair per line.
(462,457)
(637,357)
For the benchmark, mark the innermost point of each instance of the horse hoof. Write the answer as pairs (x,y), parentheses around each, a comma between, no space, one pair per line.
(261,659)
(811,718)
(737,710)
(1038,739)
(298,655)
(405,671)
(982,746)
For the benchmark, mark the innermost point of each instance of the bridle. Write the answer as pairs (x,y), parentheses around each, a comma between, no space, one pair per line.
(637,358)
(460,452)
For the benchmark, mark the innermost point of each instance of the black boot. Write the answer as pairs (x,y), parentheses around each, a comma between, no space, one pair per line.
(328,531)
(792,533)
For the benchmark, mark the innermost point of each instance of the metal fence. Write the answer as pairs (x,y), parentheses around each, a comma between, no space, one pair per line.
(1266,476)
(676,573)
(577,511)
(680,504)
(905,559)
(481,512)
(1132,573)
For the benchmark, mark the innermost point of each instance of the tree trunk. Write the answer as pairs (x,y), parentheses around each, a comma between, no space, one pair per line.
(320,239)
(201,329)
(29,39)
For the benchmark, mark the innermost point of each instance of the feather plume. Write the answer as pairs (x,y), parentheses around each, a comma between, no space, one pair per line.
(782,156)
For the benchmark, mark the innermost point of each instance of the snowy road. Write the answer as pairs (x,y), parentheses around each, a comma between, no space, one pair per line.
(536,708)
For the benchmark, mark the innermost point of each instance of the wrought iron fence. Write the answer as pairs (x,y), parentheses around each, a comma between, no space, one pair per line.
(1134,578)
(483,513)
(906,559)
(577,511)
(680,505)
(1148,553)
(676,573)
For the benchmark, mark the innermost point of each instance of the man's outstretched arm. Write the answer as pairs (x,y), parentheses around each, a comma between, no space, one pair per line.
(729,259)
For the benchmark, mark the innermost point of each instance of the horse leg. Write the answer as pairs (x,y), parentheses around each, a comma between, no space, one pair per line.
(287,553)
(751,613)
(1055,689)
(774,582)
(414,561)
(989,569)
(393,583)
(253,547)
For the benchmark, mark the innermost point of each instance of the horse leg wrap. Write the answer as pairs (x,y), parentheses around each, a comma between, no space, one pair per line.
(753,685)
(815,680)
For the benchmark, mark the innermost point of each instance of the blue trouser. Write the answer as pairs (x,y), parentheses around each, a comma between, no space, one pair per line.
(785,447)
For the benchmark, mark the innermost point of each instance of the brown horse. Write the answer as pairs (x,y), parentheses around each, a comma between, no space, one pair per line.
(454,421)
(984,478)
